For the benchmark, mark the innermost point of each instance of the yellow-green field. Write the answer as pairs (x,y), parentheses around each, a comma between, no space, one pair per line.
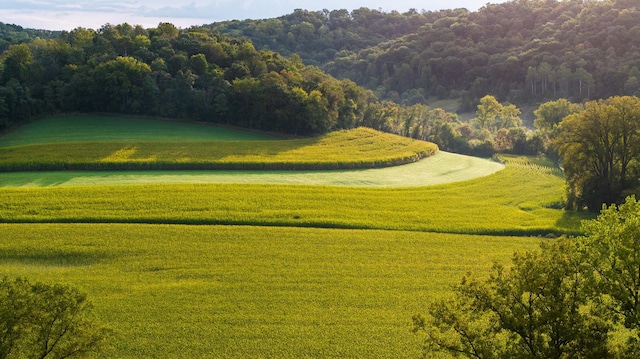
(251,270)
(358,148)
(440,168)
(175,291)
(517,200)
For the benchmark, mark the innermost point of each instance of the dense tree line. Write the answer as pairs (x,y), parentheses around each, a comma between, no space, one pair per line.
(199,74)
(193,73)
(14,34)
(519,51)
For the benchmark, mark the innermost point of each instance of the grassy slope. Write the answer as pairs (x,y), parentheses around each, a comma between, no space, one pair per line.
(106,128)
(248,292)
(358,148)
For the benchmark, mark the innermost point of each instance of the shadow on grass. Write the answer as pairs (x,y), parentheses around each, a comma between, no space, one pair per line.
(54,258)
(571,221)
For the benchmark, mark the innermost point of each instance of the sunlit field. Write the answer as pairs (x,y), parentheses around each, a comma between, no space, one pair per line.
(349,149)
(247,292)
(519,200)
(440,168)
(279,264)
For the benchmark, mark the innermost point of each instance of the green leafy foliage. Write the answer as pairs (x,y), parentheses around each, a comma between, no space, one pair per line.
(13,34)
(599,151)
(610,248)
(516,50)
(192,73)
(46,321)
(534,309)
(566,300)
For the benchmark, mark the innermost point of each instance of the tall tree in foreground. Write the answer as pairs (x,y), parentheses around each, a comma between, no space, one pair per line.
(46,321)
(535,309)
(598,148)
(575,298)
(611,251)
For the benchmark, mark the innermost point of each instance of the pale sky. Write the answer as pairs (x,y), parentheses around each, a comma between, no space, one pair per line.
(70,14)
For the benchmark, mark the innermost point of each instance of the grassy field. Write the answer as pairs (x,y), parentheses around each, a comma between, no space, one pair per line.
(122,129)
(173,291)
(255,270)
(440,168)
(519,200)
(358,148)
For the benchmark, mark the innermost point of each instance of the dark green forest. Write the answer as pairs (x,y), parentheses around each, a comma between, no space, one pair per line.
(520,51)
(192,73)
(14,34)
(312,72)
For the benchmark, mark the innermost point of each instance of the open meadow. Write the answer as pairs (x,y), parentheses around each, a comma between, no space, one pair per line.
(249,269)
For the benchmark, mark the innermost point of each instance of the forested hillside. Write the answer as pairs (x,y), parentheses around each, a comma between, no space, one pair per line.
(14,34)
(520,51)
(314,72)
(190,73)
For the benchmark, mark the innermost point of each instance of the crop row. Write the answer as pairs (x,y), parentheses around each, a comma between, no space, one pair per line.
(359,148)
(514,201)
(248,292)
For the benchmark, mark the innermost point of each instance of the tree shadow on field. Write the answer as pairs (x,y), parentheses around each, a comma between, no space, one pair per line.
(571,221)
(54,258)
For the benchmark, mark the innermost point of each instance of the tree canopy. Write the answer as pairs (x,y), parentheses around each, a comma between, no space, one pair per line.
(39,320)
(574,298)
(519,51)
(193,73)
(599,148)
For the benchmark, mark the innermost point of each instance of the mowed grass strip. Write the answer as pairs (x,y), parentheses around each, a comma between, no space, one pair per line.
(357,148)
(247,292)
(519,200)
(442,167)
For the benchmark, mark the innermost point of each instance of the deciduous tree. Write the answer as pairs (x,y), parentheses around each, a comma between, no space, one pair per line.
(46,321)
(598,147)
(535,309)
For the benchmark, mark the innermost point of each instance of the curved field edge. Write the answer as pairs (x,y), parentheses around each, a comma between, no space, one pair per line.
(239,292)
(346,149)
(440,168)
(519,200)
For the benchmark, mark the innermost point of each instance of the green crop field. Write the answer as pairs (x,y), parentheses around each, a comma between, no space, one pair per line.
(248,269)
(440,168)
(359,148)
(174,291)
